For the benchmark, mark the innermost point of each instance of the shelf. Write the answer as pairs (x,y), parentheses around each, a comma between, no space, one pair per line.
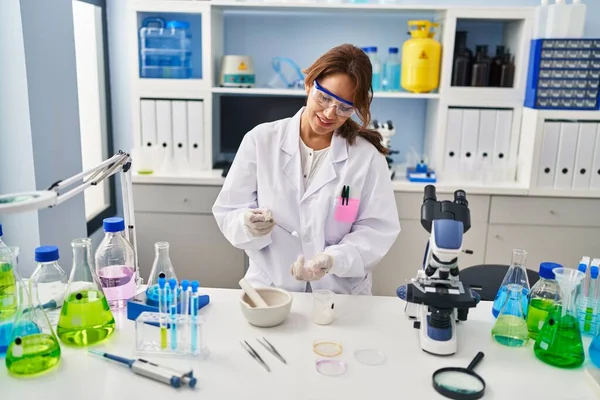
(318,6)
(300,92)
(172,88)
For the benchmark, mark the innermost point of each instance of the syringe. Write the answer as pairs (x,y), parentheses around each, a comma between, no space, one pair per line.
(150,370)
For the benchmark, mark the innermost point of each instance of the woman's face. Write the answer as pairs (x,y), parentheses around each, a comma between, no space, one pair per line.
(322,120)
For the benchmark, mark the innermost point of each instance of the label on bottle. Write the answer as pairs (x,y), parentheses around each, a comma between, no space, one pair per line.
(544,346)
(17,351)
(540,325)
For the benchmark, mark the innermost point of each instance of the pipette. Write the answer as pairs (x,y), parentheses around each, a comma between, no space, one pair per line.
(154,371)
(162,310)
(194,341)
(173,312)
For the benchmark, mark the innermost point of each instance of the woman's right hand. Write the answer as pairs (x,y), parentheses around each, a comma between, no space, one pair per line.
(259,221)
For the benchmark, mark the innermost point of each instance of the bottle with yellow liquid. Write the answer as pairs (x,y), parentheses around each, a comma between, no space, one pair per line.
(33,348)
(421,57)
(85,318)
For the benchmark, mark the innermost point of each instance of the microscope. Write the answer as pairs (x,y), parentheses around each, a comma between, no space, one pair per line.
(436,298)
(387,130)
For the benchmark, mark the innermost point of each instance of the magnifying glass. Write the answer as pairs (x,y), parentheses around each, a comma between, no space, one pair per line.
(460,383)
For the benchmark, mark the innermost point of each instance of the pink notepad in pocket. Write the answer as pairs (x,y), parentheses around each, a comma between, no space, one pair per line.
(346,213)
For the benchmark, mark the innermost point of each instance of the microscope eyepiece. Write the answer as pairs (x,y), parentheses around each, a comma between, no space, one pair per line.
(429,193)
(460,197)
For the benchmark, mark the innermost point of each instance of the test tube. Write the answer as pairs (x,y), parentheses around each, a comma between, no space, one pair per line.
(591,300)
(596,305)
(184,304)
(162,311)
(173,312)
(583,290)
(194,313)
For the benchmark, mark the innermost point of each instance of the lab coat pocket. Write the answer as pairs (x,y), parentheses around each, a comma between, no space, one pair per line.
(346,212)
(340,220)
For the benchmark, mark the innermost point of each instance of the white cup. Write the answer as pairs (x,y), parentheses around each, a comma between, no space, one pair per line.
(323,307)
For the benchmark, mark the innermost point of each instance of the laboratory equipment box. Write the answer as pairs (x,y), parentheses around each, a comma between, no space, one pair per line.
(564,74)
(165,49)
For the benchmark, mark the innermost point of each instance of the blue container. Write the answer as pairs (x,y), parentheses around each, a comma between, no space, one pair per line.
(564,74)
(165,49)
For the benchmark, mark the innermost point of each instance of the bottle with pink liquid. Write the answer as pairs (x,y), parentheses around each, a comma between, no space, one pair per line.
(115,264)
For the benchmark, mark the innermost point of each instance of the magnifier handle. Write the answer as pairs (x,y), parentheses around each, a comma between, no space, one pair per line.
(476,360)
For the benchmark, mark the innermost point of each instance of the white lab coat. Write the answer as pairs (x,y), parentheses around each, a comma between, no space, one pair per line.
(266,172)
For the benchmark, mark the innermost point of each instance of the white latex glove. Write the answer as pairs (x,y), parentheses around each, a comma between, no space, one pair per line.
(259,221)
(314,269)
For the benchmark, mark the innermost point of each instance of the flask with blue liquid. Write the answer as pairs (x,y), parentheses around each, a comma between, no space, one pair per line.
(391,71)
(516,274)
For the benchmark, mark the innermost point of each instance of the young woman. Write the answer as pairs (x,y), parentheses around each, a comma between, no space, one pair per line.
(309,198)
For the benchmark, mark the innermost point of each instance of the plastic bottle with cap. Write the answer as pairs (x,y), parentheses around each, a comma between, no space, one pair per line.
(541,20)
(576,19)
(50,278)
(544,294)
(558,20)
(391,71)
(115,264)
(376,66)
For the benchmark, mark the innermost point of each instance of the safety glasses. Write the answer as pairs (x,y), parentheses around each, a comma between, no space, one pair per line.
(326,99)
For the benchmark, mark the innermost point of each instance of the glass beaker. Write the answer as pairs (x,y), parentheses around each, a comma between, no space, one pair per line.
(85,318)
(9,279)
(559,341)
(161,268)
(542,297)
(323,307)
(510,328)
(33,348)
(517,274)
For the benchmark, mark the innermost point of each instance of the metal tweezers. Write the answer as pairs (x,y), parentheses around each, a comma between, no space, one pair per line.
(271,349)
(255,355)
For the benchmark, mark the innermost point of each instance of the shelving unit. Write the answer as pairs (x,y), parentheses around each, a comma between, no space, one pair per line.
(237,27)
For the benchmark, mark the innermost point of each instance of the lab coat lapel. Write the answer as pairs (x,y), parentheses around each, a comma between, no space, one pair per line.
(290,142)
(327,173)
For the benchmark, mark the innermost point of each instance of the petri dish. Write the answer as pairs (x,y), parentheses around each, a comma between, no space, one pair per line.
(369,356)
(331,367)
(327,349)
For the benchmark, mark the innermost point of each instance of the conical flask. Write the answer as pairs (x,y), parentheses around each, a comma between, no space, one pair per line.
(517,274)
(9,278)
(161,268)
(510,328)
(85,318)
(559,341)
(33,348)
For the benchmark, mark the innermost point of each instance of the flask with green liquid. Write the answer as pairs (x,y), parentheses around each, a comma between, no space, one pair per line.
(559,341)
(33,348)
(544,294)
(85,318)
(510,328)
(8,300)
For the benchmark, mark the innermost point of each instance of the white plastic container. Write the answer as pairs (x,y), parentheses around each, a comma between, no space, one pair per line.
(541,20)
(323,307)
(558,20)
(576,19)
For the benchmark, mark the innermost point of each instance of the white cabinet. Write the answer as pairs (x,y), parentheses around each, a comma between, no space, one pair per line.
(181,215)
(562,244)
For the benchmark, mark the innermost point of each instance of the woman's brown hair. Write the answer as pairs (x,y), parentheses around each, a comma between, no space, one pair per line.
(352,61)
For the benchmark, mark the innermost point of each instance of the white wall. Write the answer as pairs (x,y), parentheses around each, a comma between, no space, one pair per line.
(16,148)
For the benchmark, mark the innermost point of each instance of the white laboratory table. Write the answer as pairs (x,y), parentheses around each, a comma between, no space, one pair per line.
(374,322)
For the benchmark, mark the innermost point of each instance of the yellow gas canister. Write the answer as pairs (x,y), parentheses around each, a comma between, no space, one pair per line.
(421,55)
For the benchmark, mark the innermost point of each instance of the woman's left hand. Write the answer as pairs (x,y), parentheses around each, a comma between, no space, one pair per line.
(314,269)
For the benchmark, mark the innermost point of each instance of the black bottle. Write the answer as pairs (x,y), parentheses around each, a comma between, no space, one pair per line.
(481,67)
(507,76)
(463,61)
(496,67)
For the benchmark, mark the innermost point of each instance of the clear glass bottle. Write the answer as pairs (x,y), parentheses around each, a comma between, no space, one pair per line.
(50,278)
(85,318)
(376,66)
(33,348)
(559,341)
(544,294)
(517,274)
(161,268)
(115,264)
(510,328)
